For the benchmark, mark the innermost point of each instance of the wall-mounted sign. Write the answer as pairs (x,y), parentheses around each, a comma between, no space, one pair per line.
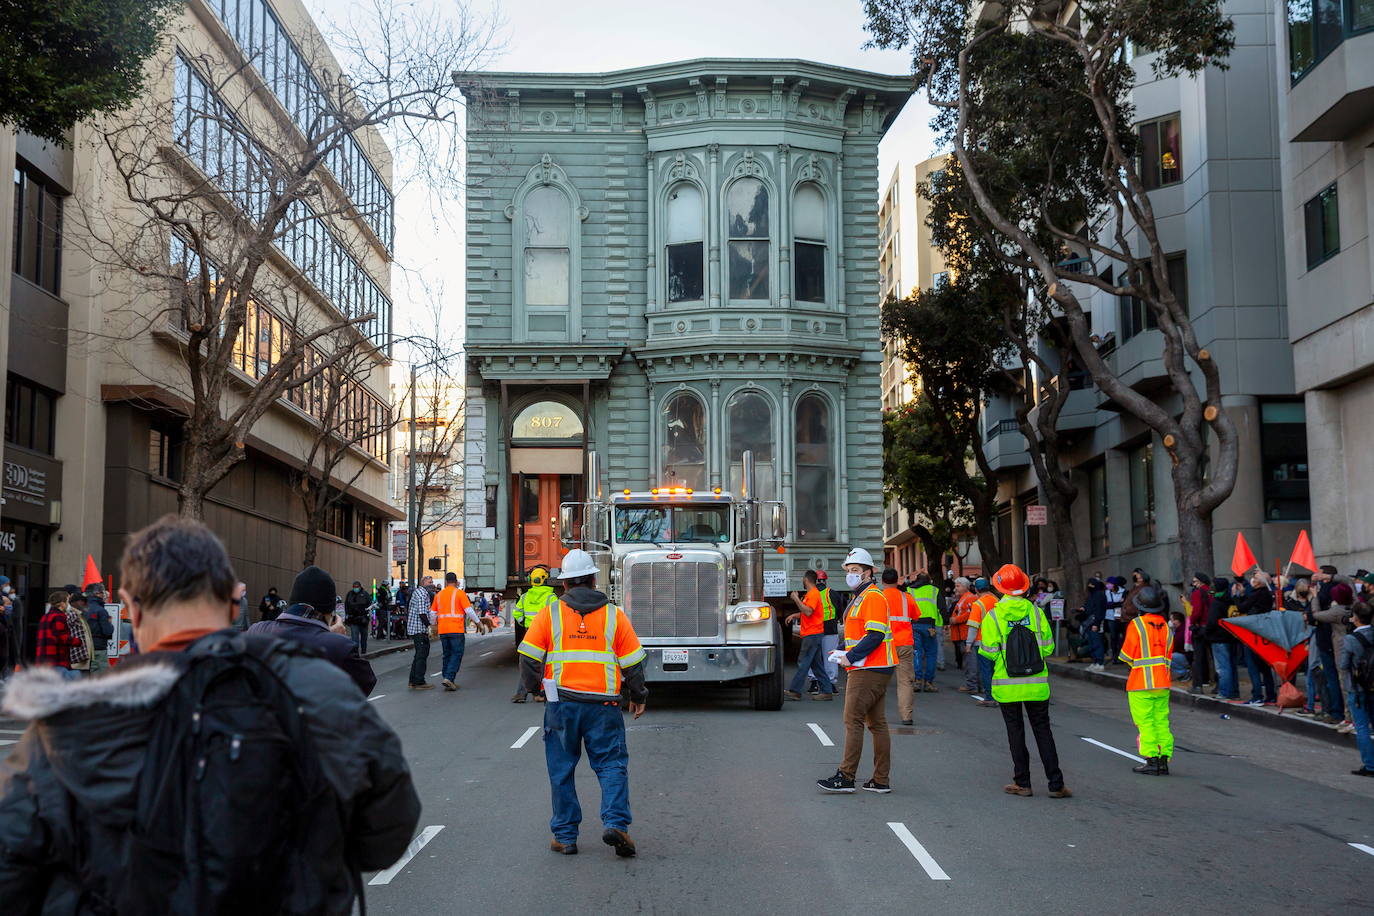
(32,487)
(26,484)
(400,545)
(547,421)
(1037,515)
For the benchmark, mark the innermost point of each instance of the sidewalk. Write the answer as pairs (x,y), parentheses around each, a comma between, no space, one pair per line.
(1269,716)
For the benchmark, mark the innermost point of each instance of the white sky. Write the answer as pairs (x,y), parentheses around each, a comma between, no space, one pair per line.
(596,35)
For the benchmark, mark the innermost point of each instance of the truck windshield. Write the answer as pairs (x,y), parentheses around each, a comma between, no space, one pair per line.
(672,524)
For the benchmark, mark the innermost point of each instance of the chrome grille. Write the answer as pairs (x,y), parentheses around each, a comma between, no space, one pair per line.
(676,599)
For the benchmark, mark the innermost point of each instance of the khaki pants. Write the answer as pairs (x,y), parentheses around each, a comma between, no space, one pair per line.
(864,698)
(906,681)
(99,660)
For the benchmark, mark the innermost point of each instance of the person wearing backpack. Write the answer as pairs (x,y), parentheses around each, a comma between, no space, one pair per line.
(1147,648)
(1016,637)
(1357,669)
(217,773)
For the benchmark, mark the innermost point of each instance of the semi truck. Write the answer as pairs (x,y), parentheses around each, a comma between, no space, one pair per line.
(686,565)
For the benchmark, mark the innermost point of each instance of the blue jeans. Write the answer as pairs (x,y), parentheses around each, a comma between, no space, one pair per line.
(454,644)
(1260,674)
(1095,646)
(985,676)
(924,657)
(359,633)
(1359,714)
(601,727)
(1225,663)
(71,674)
(1333,704)
(811,658)
(1179,666)
(419,665)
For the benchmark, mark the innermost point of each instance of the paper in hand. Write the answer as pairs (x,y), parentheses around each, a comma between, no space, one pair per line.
(550,690)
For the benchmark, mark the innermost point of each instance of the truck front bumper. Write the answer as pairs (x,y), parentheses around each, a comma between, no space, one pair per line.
(710,664)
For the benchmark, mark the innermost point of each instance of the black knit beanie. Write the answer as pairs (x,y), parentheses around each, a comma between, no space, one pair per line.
(315,587)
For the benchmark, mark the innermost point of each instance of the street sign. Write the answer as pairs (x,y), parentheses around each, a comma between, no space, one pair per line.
(774,583)
(1037,515)
(1057,609)
(400,543)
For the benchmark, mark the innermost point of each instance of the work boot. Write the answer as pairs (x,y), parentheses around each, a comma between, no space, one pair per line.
(624,846)
(563,849)
(1163,763)
(518,698)
(931,688)
(1149,768)
(791,694)
(1061,792)
(421,686)
(1014,789)
(448,684)
(824,697)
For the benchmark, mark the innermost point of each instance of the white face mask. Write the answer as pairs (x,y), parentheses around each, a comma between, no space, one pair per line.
(852,579)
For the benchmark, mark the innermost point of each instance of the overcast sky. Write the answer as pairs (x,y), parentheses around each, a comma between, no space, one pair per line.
(596,35)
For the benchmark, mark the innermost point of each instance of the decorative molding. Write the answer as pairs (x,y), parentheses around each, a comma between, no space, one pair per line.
(579,110)
(719,110)
(776,98)
(683,169)
(650,105)
(794,97)
(513,108)
(842,104)
(811,170)
(748,165)
(617,110)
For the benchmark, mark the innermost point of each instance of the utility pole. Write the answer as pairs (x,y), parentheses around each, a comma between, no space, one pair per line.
(411,521)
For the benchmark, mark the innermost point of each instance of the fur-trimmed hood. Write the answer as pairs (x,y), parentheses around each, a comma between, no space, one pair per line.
(37,693)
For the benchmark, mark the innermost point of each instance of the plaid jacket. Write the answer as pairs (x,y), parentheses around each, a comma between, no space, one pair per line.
(419,617)
(80,639)
(54,640)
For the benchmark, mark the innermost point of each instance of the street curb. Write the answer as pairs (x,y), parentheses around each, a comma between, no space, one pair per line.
(1288,722)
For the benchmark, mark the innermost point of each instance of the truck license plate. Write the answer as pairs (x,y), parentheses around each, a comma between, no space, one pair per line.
(674,656)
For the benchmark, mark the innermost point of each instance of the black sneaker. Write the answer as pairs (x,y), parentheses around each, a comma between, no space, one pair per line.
(837,784)
(878,787)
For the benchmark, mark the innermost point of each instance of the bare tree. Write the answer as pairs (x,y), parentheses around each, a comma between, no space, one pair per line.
(438,459)
(246,216)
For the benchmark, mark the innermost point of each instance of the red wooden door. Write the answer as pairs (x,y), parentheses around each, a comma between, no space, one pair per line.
(536,513)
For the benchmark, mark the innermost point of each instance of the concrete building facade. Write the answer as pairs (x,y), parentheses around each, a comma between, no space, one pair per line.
(670,265)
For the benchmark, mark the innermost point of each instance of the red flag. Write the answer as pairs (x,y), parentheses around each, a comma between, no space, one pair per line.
(92,575)
(1243,560)
(1302,553)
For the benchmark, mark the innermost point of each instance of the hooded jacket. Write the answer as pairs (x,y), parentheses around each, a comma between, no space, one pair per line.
(295,623)
(584,601)
(1095,605)
(72,780)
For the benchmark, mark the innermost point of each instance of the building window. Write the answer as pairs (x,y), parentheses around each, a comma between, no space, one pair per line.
(1136,314)
(808,243)
(1099,513)
(1142,462)
(37,230)
(548,219)
(368,531)
(338,521)
(164,451)
(1160,160)
(1283,458)
(750,420)
(684,441)
(1321,218)
(30,413)
(686,262)
(1361,15)
(1315,30)
(939,279)
(746,204)
(815,483)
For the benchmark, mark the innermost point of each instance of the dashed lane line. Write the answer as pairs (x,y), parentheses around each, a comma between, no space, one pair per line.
(914,846)
(384,877)
(377,697)
(1114,750)
(11,731)
(5,742)
(529,733)
(1368,850)
(820,734)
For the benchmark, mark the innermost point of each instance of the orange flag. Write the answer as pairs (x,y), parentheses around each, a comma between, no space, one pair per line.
(1302,553)
(1243,560)
(92,575)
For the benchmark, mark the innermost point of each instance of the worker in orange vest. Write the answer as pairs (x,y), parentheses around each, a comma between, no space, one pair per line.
(1148,649)
(899,608)
(450,607)
(979,675)
(583,649)
(958,623)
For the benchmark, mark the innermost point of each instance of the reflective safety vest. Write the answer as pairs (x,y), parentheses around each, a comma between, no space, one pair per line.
(1148,648)
(535,599)
(926,605)
(827,602)
(997,623)
(981,605)
(899,608)
(958,621)
(868,613)
(449,606)
(583,652)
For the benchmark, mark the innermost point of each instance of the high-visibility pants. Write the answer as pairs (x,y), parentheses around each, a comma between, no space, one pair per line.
(1150,712)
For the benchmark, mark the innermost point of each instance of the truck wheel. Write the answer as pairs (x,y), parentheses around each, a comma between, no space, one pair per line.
(765,691)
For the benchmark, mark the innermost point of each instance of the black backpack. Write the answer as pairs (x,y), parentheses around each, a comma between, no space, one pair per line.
(1362,672)
(1023,656)
(234,813)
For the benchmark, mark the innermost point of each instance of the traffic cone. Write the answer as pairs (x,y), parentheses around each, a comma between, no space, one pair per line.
(92,575)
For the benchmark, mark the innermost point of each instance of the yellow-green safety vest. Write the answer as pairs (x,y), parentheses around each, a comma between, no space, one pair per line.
(926,601)
(827,604)
(535,599)
(997,623)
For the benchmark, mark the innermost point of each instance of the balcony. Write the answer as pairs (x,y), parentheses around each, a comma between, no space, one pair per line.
(1005,447)
(1335,99)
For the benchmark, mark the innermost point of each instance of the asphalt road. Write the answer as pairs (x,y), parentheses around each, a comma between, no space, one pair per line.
(728,818)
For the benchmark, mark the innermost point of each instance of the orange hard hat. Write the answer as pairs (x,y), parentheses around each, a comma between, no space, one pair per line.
(1010,580)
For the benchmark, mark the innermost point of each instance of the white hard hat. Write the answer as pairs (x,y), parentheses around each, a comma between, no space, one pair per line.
(576,564)
(860,556)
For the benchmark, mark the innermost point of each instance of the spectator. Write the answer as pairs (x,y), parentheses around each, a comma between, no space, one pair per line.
(55,636)
(962,601)
(361,799)
(1116,594)
(271,605)
(16,616)
(1179,665)
(355,615)
(1357,646)
(1199,603)
(101,627)
(82,649)
(1139,579)
(419,619)
(9,638)
(241,619)
(1259,601)
(1303,600)
(1337,615)
(1095,609)
(1223,645)
(306,620)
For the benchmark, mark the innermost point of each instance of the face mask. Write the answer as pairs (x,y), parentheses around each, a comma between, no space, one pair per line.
(852,579)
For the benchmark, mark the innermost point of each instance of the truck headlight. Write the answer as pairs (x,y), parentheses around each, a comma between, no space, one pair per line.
(752,614)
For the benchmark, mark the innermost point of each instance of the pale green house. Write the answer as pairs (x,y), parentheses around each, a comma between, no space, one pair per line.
(670,265)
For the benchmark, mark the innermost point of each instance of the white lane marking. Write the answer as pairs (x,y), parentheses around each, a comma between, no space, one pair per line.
(11,731)
(932,867)
(1114,750)
(384,877)
(485,654)
(6,742)
(1363,848)
(377,697)
(529,733)
(820,734)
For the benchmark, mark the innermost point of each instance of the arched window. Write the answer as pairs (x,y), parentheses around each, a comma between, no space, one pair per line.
(685,245)
(746,203)
(684,441)
(808,243)
(548,231)
(815,481)
(751,429)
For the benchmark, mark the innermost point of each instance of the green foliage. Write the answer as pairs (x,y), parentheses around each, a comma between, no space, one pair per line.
(62,61)
(917,472)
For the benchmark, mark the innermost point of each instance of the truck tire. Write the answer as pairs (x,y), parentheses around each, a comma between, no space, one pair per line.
(765,691)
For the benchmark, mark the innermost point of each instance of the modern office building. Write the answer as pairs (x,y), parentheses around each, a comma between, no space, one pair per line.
(1325,73)
(671,265)
(96,387)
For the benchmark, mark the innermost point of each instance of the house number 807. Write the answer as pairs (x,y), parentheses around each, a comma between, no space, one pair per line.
(545,422)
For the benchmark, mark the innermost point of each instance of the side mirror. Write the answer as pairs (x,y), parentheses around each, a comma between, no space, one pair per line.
(568,523)
(777,522)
